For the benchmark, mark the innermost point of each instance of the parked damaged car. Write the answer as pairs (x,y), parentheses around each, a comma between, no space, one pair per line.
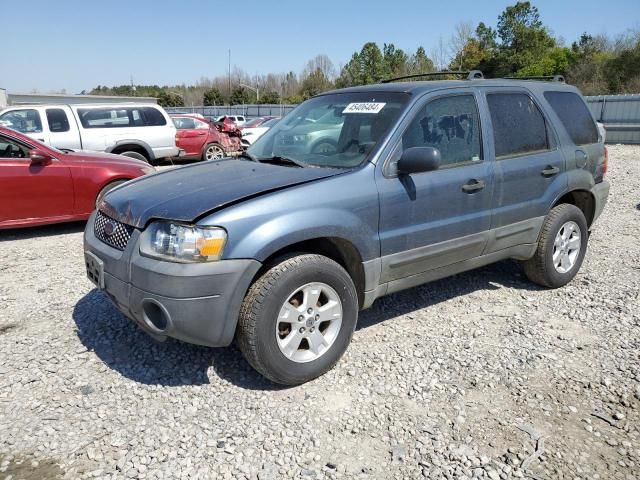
(283,246)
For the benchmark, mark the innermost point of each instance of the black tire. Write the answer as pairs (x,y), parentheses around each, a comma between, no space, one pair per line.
(256,332)
(217,152)
(106,189)
(540,268)
(136,155)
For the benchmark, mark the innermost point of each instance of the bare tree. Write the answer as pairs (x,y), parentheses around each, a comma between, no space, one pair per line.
(462,33)
(440,55)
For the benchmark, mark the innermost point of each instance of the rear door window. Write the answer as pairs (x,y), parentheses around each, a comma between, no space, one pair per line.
(574,115)
(519,127)
(58,120)
(24,121)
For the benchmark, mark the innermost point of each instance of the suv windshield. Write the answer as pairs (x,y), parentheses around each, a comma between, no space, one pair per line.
(338,130)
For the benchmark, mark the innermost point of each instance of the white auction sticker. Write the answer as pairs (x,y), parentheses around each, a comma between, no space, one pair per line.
(366,107)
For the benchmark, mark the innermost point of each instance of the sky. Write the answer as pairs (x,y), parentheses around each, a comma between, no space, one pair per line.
(75,45)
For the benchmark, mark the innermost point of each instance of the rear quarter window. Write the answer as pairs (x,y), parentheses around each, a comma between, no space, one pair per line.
(574,115)
(58,121)
(518,125)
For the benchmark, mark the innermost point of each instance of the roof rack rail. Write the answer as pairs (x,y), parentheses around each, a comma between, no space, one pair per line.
(551,78)
(471,75)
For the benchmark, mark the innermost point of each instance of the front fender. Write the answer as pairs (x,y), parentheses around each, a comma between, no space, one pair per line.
(297,226)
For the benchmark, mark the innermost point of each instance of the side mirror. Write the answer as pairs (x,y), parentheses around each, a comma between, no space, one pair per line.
(419,159)
(40,157)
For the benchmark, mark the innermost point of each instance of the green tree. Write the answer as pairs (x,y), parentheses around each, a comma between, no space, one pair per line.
(395,61)
(420,62)
(270,97)
(363,68)
(213,96)
(315,83)
(239,96)
(170,99)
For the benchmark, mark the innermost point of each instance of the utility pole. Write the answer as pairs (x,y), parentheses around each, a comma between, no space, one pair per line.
(229,76)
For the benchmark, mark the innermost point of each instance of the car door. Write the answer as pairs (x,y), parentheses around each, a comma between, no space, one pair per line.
(29,190)
(529,167)
(63,132)
(433,219)
(189,136)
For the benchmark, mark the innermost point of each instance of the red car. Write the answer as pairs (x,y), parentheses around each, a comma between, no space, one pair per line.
(202,139)
(40,184)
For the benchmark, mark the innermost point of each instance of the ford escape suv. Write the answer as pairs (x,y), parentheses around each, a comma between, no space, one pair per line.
(281,247)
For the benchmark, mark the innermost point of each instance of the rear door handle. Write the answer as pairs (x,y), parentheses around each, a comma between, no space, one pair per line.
(550,171)
(473,186)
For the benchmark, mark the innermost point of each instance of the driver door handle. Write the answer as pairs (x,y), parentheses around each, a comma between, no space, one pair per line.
(550,171)
(473,186)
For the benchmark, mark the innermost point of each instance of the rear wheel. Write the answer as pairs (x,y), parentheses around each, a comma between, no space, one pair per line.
(213,151)
(297,319)
(561,247)
(106,189)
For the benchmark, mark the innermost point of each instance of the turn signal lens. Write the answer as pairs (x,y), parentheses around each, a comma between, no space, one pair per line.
(210,247)
(605,166)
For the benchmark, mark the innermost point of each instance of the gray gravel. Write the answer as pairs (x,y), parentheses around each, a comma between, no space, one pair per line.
(462,378)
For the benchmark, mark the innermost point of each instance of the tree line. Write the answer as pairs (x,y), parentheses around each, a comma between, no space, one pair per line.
(519,45)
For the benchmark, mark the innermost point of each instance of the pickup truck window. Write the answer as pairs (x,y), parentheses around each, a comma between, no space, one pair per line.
(337,130)
(57,119)
(114,117)
(24,121)
(450,124)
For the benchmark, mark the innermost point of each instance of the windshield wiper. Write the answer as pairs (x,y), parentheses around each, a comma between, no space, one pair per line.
(280,159)
(248,155)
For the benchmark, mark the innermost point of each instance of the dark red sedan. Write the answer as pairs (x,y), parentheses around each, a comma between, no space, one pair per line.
(200,138)
(40,184)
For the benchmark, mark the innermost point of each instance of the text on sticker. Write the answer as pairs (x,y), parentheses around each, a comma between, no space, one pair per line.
(366,107)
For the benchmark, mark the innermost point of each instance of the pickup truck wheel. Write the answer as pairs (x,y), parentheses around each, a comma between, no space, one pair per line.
(137,155)
(106,189)
(297,319)
(213,151)
(562,245)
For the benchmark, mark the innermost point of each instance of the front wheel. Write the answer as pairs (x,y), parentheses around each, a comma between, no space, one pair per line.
(297,319)
(213,151)
(562,245)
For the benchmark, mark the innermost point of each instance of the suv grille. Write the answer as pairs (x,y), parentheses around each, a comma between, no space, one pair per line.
(112,232)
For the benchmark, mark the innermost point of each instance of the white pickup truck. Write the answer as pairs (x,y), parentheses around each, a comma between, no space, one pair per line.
(142,131)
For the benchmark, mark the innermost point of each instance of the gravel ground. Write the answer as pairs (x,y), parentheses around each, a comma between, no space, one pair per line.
(482,375)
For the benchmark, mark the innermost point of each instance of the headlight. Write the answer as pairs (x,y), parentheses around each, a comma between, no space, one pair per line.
(182,243)
(301,138)
(147,170)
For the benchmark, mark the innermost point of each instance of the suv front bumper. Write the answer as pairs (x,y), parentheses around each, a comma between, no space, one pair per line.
(194,302)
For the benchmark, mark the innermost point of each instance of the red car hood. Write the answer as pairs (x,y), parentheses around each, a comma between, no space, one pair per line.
(83,156)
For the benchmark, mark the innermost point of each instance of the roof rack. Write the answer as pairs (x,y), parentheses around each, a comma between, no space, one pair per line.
(550,78)
(471,75)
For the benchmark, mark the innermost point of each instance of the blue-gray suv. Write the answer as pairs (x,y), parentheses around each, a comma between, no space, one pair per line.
(415,181)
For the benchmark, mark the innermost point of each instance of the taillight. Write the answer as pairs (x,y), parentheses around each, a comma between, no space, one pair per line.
(605,165)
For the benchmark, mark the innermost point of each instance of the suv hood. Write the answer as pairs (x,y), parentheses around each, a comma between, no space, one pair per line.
(186,193)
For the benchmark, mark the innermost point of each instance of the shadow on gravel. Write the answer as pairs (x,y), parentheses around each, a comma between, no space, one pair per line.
(492,277)
(43,231)
(123,347)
